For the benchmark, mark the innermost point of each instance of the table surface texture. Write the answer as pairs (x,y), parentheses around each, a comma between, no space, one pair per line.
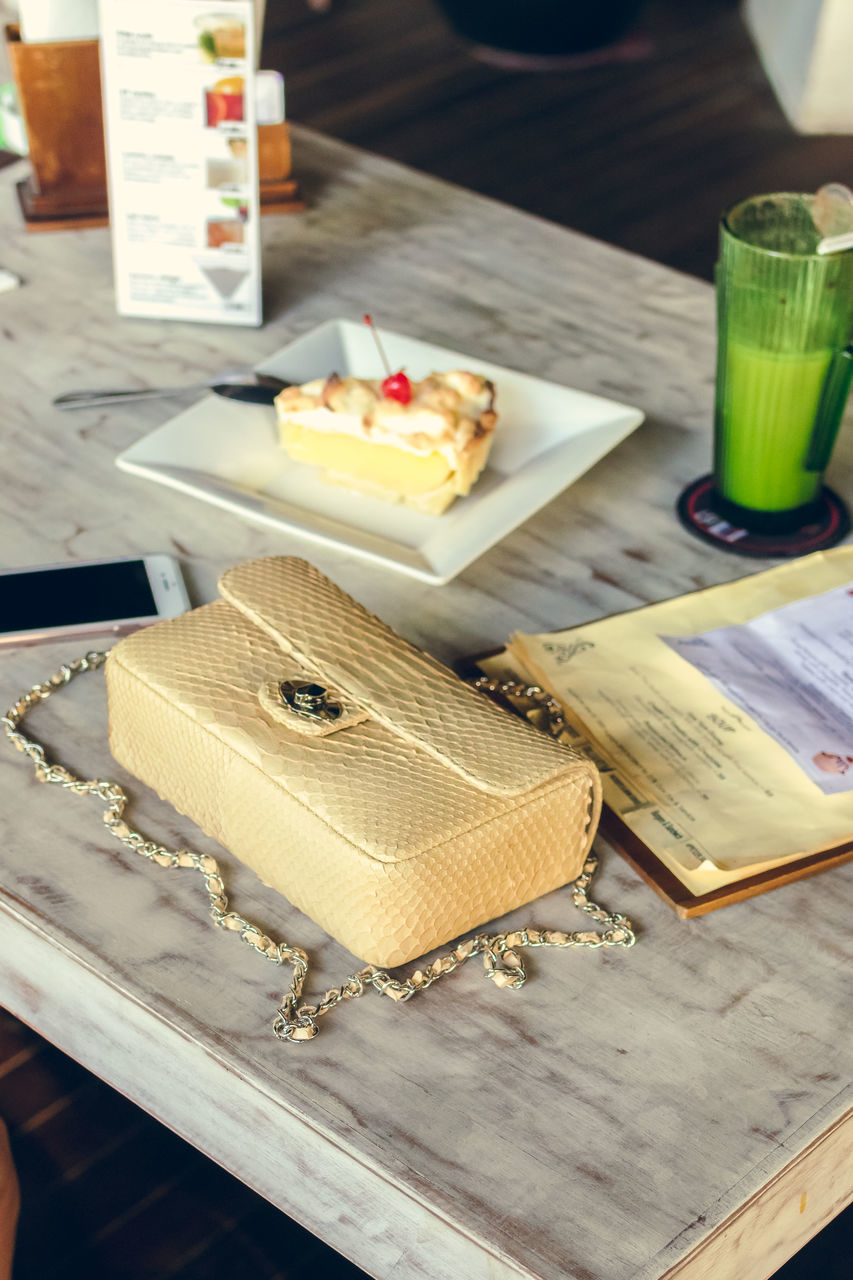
(618,1117)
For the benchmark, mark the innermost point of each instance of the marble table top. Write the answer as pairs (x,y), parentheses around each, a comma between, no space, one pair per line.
(614,1118)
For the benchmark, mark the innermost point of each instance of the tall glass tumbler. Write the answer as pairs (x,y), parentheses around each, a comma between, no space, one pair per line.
(784,366)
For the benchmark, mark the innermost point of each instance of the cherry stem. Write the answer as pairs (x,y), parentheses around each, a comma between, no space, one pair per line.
(368,320)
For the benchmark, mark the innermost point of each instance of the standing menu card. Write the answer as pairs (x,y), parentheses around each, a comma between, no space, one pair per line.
(182,158)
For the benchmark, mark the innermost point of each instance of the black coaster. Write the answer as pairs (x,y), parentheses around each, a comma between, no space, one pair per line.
(702,513)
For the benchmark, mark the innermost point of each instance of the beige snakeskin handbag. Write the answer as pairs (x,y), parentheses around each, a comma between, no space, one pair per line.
(387,799)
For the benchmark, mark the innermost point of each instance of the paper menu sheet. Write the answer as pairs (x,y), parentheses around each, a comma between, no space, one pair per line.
(683,765)
(182,158)
(790,671)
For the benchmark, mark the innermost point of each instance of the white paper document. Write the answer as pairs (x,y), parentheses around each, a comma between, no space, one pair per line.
(182,157)
(791,671)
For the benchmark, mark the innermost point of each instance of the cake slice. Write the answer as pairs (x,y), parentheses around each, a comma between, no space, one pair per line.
(423,453)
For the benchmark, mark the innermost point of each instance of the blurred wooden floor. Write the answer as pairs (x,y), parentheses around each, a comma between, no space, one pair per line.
(642,151)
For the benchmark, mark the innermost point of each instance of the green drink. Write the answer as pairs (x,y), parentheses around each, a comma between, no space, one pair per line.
(769,408)
(785,315)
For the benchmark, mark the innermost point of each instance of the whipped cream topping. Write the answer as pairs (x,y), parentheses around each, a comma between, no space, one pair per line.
(447,411)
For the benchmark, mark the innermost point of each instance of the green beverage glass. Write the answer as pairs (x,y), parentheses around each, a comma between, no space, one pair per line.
(784,366)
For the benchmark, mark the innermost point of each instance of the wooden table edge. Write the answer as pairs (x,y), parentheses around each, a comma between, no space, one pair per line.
(778,1219)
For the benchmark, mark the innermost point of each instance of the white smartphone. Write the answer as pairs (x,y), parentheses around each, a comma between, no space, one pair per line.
(88,597)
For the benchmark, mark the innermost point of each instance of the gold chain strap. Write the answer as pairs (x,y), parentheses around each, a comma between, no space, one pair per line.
(296,1021)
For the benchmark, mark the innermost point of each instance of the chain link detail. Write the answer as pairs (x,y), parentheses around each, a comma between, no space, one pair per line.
(295,1021)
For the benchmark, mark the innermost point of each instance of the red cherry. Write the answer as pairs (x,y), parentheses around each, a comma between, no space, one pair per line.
(397,387)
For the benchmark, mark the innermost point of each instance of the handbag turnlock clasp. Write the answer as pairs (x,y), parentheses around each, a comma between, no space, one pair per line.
(310,700)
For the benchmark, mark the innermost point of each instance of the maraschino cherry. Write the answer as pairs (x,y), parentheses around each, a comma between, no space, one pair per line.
(396,386)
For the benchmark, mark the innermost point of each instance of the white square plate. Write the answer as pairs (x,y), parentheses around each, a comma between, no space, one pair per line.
(227,453)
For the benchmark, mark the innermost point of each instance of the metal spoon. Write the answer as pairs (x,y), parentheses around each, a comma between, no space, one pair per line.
(256,388)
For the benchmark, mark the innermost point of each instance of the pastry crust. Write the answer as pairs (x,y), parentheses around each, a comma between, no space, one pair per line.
(451,417)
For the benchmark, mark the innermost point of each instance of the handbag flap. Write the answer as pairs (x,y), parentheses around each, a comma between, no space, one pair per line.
(356,654)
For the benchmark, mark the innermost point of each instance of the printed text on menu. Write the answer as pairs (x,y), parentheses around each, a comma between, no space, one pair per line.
(183,158)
